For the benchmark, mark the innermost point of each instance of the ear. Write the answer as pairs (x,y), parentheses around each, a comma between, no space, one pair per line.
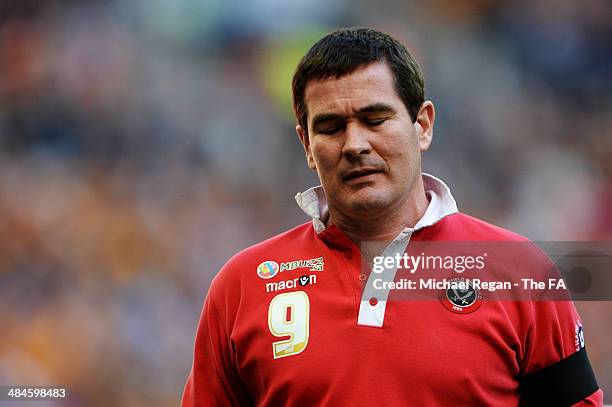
(303,135)
(424,124)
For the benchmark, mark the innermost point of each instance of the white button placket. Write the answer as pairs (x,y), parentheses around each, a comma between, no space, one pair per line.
(374,301)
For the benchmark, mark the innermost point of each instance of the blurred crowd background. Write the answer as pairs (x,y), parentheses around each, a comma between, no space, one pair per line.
(144,142)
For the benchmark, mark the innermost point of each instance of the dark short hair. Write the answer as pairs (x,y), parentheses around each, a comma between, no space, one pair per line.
(343,51)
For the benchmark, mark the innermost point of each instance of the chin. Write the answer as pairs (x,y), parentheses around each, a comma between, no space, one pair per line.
(367,203)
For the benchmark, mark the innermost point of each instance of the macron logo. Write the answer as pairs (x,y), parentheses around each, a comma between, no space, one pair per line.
(295,283)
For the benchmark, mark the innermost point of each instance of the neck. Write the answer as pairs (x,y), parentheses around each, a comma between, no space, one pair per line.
(385,224)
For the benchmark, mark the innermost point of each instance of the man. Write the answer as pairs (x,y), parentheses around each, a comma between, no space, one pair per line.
(288,322)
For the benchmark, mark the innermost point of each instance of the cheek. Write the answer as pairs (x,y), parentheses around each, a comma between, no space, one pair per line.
(396,147)
(326,158)
(402,156)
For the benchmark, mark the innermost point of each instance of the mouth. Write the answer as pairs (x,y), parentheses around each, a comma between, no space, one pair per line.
(361,175)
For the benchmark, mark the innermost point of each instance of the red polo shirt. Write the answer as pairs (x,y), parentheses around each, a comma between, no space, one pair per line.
(287,322)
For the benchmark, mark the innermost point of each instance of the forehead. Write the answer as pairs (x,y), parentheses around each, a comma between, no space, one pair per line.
(373,83)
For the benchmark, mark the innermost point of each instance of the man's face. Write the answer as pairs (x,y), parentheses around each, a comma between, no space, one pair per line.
(362,141)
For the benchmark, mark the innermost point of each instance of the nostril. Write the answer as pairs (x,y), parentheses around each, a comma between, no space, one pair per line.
(355,150)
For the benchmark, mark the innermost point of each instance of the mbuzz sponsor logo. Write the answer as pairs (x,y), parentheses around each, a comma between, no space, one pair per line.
(315,264)
(306,279)
(267,269)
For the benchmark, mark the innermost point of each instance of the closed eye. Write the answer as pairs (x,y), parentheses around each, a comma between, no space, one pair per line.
(329,130)
(375,122)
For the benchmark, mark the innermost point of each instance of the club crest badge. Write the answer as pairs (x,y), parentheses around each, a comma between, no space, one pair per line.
(461,300)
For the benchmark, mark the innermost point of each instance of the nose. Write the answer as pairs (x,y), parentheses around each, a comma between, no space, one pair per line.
(356,141)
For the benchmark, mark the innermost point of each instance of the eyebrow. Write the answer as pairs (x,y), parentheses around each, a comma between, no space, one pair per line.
(325,117)
(377,108)
(373,108)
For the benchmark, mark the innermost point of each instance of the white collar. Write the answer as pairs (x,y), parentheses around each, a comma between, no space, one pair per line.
(441,204)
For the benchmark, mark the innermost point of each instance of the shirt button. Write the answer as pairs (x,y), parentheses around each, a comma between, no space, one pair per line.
(373,301)
(362,277)
(348,254)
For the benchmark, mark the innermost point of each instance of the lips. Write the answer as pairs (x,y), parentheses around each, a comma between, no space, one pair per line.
(361,172)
